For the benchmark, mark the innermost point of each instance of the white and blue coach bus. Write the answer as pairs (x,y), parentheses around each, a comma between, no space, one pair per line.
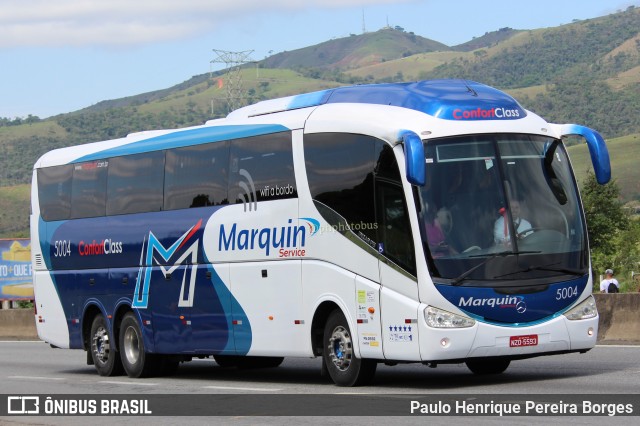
(432,222)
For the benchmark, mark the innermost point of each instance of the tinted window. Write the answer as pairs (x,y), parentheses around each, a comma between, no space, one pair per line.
(340,170)
(54,192)
(345,172)
(88,191)
(261,165)
(196,176)
(395,230)
(135,183)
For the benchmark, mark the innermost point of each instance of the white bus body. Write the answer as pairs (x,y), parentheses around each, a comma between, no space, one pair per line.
(355,223)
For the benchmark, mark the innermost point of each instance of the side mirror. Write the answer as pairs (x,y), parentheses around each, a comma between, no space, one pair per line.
(597,149)
(414,157)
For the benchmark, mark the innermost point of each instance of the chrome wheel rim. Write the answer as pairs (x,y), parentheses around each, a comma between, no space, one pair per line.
(340,348)
(131,345)
(100,345)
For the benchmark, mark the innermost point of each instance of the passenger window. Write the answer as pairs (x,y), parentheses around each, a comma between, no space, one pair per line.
(261,169)
(340,170)
(54,192)
(135,183)
(357,177)
(89,189)
(196,176)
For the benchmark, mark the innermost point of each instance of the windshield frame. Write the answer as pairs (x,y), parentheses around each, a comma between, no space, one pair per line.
(528,257)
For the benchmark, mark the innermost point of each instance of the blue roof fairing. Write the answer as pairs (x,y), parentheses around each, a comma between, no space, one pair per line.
(181,138)
(458,100)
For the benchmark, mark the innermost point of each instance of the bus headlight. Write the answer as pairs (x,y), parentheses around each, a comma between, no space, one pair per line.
(585,310)
(438,318)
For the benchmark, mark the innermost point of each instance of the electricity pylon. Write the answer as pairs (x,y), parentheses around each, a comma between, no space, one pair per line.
(232,80)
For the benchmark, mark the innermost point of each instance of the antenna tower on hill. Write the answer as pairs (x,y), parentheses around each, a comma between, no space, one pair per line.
(364,28)
(232,79)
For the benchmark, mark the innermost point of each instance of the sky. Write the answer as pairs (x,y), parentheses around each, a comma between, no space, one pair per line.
(58,56)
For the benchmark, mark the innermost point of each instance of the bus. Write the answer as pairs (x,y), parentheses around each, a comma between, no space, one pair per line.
(431,222)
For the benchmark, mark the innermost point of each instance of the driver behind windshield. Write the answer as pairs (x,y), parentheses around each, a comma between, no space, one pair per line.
(501,229)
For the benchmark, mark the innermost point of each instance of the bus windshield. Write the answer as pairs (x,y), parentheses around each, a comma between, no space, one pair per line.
(500,208)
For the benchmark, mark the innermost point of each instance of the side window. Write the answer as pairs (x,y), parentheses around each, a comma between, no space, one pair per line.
(196,176)
(261,169)
(54,192)
(340,170)
(89,189)
(135,183)
(355,178)
(395,231)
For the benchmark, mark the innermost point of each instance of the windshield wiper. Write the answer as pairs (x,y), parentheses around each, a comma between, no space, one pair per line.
(568,271)
(458,280)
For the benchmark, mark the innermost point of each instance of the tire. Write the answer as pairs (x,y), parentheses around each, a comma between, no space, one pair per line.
(486,366)
(136,362)
(103,349)
(226,361)
(344,368)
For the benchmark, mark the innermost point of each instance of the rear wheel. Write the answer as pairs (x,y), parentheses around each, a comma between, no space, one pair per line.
(103,349)
(488,366)
(344,368)
(136,362)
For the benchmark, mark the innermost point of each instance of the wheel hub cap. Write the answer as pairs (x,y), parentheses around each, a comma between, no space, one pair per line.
(340,348)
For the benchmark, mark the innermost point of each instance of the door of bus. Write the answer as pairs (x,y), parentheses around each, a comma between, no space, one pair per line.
(399,291)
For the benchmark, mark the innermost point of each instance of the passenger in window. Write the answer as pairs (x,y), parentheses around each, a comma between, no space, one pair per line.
(501,229)
(438,224)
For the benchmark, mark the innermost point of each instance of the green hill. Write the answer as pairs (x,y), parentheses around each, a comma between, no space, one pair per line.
(355,51)
(14,211)
(488,40)
(624,153)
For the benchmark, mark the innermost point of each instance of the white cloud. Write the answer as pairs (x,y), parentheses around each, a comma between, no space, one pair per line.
(134,22)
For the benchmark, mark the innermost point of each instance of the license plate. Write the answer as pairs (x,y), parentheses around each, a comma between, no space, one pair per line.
(519,341)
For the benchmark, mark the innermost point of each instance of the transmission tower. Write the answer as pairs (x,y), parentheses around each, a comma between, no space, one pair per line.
(232,81)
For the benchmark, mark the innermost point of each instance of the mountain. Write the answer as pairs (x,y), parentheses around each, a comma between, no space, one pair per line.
(584,49)
(488,40)
(356,51)
(586,72)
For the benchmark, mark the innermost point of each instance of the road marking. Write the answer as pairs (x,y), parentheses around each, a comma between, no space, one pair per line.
(35,378)
(355,393)
(245,389)
(617,346)
(114,382)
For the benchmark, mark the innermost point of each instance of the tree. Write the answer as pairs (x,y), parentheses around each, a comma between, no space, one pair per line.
(604,213)
(607,222)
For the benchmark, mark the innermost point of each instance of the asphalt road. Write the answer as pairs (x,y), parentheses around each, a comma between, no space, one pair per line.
(35,368)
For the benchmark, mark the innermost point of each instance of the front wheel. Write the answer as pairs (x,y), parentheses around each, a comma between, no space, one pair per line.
(136,362)
(103,348)
(488,366)
(345,369)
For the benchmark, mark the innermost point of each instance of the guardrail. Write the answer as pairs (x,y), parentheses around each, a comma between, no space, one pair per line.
(619,320)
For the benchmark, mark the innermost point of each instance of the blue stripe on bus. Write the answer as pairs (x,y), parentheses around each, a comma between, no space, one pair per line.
(458,100)
(309,99)
(189,137)
(487,305)
(213,306)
